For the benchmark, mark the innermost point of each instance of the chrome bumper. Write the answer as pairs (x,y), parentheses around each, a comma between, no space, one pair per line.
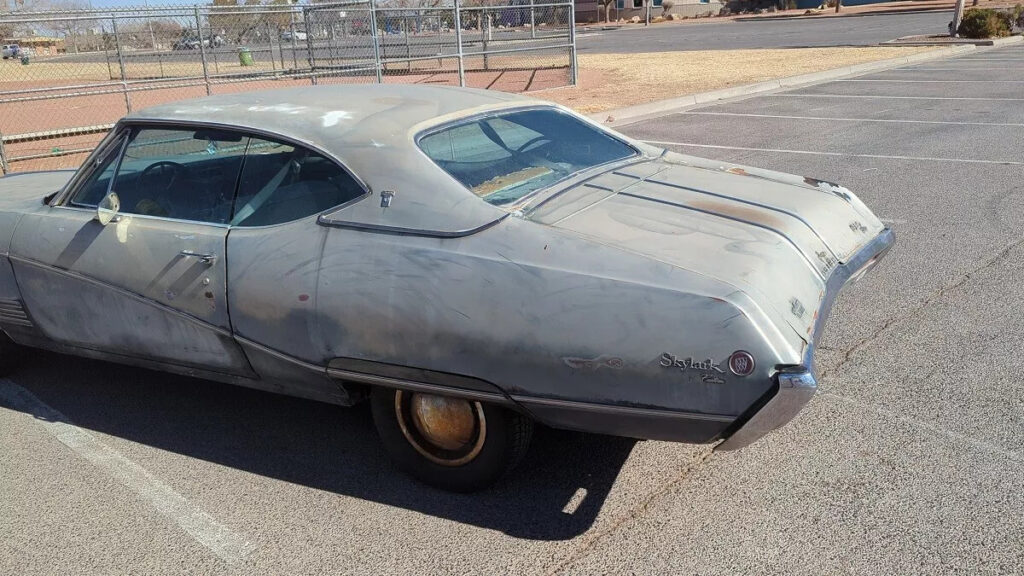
(797,385)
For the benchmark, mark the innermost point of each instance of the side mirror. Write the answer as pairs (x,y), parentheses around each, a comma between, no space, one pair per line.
(107,209)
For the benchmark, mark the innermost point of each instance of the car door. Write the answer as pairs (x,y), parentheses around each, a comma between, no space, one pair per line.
(150,284)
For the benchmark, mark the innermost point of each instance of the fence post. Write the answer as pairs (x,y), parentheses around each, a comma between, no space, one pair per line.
(408,46)
(310,58)
(270,40)
(573,68)
(120,62)
(440,42)
(458,42)
(202,51)
(106,56)
(4,168)
(375,36)
(485,34)
(533,20)
(295,58)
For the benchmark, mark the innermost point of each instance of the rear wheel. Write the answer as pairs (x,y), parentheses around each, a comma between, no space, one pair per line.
(450,443)
(11,355)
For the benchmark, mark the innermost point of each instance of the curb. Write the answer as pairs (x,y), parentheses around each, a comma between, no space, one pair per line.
(631,114)
(959,42)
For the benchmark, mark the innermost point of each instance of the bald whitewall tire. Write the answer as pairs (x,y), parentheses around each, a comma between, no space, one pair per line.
(450,443)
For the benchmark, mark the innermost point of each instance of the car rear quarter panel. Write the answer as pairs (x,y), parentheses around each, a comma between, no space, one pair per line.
(541,313)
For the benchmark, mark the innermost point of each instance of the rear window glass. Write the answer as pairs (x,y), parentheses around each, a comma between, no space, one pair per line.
(505,158)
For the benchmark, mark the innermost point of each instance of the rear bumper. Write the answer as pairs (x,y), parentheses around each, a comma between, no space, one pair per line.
(797,385)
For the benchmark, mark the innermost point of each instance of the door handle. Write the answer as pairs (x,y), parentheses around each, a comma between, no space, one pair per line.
(204,258)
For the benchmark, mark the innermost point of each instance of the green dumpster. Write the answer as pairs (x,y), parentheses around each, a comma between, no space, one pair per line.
(245,57)
(24,60)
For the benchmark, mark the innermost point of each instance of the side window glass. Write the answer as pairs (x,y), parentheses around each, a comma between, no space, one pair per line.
(96,184)
(184,174)
(281,182)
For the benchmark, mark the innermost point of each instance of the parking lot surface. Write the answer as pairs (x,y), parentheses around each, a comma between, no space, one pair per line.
(908,460)
(764,33)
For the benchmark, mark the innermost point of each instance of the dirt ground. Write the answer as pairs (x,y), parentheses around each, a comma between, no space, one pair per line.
(616,80)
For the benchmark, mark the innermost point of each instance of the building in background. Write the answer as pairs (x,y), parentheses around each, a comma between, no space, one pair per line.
(38,45)
(594,10)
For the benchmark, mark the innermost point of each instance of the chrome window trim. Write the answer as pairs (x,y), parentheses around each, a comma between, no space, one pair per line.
(148,217)
(84,171)
(522,202)
(62,199)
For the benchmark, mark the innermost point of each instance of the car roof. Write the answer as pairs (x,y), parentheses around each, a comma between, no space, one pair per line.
(304,112)
(371,129)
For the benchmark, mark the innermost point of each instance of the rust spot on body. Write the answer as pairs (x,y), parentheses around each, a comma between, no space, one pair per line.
(739,212)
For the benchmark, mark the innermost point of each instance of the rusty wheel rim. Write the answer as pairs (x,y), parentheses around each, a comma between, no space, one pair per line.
(445,430)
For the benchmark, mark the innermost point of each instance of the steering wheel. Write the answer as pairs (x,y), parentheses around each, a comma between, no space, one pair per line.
(531,142)
(176,171)
(156,205)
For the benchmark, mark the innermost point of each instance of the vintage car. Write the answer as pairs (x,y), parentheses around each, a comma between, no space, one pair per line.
(470,262)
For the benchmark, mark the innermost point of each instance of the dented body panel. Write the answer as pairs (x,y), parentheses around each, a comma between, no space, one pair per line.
(658,296)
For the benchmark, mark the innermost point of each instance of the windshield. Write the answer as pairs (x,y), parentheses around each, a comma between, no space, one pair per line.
(506,157)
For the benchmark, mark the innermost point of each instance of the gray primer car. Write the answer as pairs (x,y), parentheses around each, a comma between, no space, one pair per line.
(470,261)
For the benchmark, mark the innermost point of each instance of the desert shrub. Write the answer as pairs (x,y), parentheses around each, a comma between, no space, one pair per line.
(985,23)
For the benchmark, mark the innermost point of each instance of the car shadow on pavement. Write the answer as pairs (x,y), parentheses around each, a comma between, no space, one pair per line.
(555,494)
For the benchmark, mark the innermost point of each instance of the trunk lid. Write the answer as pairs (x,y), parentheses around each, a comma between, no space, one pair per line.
(775,239)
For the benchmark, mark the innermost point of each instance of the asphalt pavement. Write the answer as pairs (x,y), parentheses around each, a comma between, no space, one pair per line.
(908,461)
(760,33)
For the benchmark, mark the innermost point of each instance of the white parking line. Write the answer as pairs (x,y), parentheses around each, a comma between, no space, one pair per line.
(963,69)
(820,153)
(226,544)
(794,95)
(784,117)
(974,443)
(926,81)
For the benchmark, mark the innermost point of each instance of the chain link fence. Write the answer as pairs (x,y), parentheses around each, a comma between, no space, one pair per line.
(75,73)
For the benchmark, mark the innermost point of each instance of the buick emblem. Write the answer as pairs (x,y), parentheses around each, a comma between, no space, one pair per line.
(741,363)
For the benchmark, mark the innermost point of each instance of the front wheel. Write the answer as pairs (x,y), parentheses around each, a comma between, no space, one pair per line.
(450,443)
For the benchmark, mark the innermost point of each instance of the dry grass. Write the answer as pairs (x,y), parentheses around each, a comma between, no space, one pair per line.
(615,80)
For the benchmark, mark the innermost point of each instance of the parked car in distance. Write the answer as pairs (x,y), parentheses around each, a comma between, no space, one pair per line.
(193,43)
(470,262)
(186,44)
(288,36)
(10,51)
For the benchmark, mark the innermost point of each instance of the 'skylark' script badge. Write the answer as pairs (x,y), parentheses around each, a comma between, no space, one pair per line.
(673,361)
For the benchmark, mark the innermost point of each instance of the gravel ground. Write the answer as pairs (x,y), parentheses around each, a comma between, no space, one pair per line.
(618,80)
